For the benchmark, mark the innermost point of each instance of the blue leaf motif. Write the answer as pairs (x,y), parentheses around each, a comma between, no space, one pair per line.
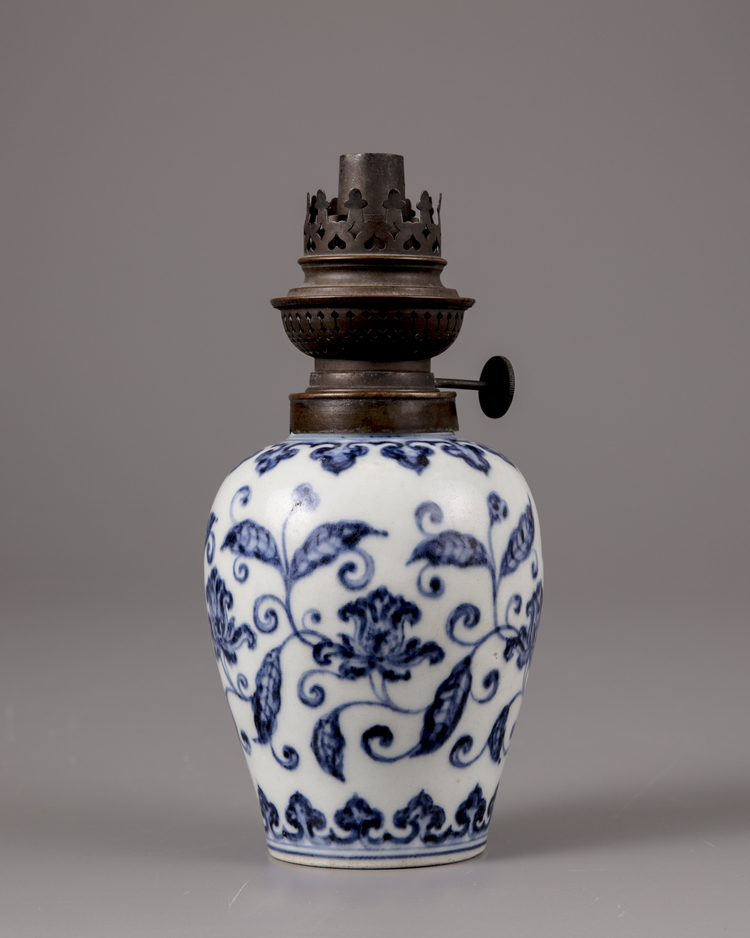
(469,452)
(249,539)
(496,742)
(525,637)
(269,812)
(451,548)
(326,543)
(445,711)
(423,816)
(410,454)
(337,457)
(519,543)
(358,819)
(328,745)
(422,819)
(303,818)
(534,612)
(271,456)
(471,814)
(267,697)
(227,636)
(210,544)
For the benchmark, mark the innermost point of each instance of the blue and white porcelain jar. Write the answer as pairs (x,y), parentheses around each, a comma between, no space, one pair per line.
(374,600)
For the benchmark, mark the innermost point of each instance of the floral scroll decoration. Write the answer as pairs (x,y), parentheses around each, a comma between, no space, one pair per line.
(380,648)
(248,541)
(452,548)
(420,821)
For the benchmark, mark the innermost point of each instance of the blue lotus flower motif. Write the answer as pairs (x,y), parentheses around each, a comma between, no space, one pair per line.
(227,637)
(379,642)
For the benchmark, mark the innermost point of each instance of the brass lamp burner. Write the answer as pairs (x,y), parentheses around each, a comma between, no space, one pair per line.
(372,310)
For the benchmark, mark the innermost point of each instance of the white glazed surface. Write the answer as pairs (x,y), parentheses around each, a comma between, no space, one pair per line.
(338,604)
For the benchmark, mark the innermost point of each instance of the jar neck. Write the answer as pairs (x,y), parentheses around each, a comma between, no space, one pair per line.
(346,396)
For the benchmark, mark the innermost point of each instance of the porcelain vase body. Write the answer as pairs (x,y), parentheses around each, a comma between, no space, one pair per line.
(374,603)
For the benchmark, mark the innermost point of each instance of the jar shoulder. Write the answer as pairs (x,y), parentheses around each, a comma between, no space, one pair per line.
(391,482)
(355,457)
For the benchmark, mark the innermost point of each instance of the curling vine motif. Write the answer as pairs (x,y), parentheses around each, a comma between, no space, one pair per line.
(248,540)
(381,648)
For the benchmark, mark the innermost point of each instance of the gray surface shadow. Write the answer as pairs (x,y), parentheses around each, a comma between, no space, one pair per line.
(604,821)
(95,826)
(209,833)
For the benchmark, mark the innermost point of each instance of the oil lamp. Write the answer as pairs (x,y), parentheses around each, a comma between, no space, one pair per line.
(374,582)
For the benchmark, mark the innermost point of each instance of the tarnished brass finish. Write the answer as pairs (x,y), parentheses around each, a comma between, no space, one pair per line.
(372,310)
(372,397)
(386,276)
(371,214)
(373,411)
(372,333)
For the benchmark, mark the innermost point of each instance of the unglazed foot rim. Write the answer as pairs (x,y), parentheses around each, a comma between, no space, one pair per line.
(375,862)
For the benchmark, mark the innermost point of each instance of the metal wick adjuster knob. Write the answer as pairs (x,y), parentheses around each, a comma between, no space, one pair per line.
(496,386)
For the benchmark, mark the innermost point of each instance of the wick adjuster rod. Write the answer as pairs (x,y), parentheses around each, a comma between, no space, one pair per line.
(460,383)
(496,386)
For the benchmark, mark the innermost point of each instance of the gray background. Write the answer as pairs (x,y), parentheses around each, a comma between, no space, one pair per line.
(594,162)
